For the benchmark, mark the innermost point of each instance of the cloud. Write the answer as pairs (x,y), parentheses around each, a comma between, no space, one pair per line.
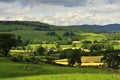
(7,0)
(113,1)
(67,3)
(62,12)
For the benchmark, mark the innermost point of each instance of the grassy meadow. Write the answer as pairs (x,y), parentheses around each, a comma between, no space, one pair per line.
(16,71)
(28,32)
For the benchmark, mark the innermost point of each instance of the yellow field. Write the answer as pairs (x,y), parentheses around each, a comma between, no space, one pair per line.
(20,51)
(86,61)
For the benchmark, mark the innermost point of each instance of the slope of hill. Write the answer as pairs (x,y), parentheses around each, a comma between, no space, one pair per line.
(104,28)
(17,71)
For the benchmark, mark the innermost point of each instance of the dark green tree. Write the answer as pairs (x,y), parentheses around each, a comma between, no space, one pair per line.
(74,56)
(51,33)
(112,60)
(7,41)
(50,52)
(69,33)
(96,47)
(40,50)
(63,54)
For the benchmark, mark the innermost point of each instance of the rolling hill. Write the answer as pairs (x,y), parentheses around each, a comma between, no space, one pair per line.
(104,28)
(39,25)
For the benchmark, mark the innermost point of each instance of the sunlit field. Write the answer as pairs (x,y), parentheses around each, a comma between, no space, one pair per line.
(86,61)
(17,71)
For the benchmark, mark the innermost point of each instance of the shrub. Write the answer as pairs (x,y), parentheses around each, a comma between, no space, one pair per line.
(50,59)
(33,60)
(112,60)
(17,58)
(40,50)
(21,58)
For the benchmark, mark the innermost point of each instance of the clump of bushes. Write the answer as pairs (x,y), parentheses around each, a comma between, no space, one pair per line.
(50,59)
(16,58)
(26,59)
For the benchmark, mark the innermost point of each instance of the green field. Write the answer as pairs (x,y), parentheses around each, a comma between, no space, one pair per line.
(28,32)
(70,77)
(16,71)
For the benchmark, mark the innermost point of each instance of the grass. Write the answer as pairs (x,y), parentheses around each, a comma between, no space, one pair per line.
(92,36)
(53,45)
(15,71)
(69,77)
(44,45)
(117,46)
(28,32)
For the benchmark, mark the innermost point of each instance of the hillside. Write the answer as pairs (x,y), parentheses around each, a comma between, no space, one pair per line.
(37,31)
(17,71)
(104,28)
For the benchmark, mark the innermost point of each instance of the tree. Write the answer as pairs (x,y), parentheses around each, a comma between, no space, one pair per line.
(77,55)
(73,56)
(50,52)
(40,50)
(51,33)
(96,47)
(63,54)
(73,45)
(69,33)
(86,44)
(112,60)
(7,41)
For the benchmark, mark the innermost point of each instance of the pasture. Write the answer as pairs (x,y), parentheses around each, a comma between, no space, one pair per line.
(28,32)
(16,71)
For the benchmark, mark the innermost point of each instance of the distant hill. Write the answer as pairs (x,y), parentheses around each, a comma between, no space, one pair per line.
(105,28)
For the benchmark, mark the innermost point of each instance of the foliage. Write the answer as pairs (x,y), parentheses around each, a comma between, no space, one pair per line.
(96,47)
(73,56)
(111,59)
(86,44)
(70,33)
(40,50)
(63,54)
(50,52)
(57,46)
(73,45)
(17,58)
(7,41)
(51,33)
(49,58)
(25,59)
(113,36)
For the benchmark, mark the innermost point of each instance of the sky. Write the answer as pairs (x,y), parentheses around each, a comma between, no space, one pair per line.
(62,12)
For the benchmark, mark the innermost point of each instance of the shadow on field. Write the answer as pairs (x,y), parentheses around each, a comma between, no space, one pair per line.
(9,69)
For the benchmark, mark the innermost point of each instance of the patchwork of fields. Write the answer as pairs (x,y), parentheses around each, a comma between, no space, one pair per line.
(86,61)
(15,71)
